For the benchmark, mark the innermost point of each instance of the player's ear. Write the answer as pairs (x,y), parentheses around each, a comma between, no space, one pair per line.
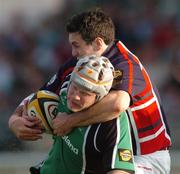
(98,44)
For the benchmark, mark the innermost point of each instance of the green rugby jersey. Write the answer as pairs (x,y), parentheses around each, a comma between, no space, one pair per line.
(95,149)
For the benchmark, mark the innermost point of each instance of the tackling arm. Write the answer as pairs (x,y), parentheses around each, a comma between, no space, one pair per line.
(106,109)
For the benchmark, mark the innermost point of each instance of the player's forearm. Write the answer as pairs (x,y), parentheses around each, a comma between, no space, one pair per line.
(99,119)
(99,113)
(107,109)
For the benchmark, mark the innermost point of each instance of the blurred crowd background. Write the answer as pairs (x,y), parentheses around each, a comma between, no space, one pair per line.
(34,43)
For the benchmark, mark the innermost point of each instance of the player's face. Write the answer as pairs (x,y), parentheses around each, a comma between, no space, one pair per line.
(79,99)
(79,46)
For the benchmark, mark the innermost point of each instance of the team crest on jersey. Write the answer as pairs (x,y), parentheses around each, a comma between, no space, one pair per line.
(118,75)
(125,155)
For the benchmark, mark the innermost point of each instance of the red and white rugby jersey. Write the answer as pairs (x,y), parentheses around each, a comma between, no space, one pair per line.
(150,131)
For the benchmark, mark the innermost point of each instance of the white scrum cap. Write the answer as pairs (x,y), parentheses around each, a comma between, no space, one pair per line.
(94,74)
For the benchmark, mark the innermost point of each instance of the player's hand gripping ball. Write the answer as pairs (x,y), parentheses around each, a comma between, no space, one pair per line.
(43,105)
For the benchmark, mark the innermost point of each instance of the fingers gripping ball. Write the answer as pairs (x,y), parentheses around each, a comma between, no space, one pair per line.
(43,105)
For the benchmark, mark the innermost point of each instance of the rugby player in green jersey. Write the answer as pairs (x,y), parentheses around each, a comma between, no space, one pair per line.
(103,148)
(93,32)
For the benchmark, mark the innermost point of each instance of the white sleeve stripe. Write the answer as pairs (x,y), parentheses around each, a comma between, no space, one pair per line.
(134,130)
(95,136)
(116,145)
(83,150)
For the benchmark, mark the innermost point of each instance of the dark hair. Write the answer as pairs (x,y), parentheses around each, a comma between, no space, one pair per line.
(92,24)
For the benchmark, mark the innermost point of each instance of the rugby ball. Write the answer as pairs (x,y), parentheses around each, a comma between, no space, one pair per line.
(43,104)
